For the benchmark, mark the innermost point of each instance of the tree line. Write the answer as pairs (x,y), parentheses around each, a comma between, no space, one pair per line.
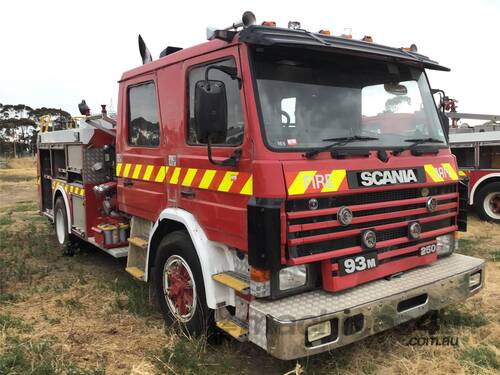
(20,125)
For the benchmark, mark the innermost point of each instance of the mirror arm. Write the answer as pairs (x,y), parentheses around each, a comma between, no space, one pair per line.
(232,161)
(231,72)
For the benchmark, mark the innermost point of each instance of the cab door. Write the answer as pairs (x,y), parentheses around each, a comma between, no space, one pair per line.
(140,150)
(216,195)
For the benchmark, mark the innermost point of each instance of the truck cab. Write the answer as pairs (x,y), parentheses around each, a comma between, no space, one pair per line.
(291,188)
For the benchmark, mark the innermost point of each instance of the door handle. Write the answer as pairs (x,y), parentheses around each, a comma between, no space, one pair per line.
(187,194)
(127,182)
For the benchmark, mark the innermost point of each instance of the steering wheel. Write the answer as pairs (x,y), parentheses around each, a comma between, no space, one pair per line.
(287,116)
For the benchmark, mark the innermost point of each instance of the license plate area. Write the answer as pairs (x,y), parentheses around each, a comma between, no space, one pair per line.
(358,263)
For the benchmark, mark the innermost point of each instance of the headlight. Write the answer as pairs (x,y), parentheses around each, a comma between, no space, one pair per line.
(319,331)
(475,280)
(445,244)
(293,277)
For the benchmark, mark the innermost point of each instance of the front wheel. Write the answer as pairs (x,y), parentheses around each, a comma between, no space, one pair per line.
(487,202)
(179,286)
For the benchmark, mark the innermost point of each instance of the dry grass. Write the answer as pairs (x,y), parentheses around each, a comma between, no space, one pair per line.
(84,315)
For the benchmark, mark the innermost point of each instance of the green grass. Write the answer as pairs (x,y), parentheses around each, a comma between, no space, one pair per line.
(189,357)
(9,322)
(21,355)
(6,298)
(132,295)
(454,316)
(25,356)
(473,248)
(32,206)
(6,220)
(479,358)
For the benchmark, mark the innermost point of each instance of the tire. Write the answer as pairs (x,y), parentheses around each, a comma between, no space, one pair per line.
(182,306)
(487,202)
(64,239)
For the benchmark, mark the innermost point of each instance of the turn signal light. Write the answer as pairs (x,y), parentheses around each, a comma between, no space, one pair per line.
(367,38)
(269,23)
(259,275)
(324,32)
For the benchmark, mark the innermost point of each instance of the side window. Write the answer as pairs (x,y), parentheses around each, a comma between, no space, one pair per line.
(143,124)
(234,110)
(489,157)
(465,156)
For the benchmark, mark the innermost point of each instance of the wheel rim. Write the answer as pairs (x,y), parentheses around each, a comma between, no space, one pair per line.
(60,227)
(179,288)
(491,205)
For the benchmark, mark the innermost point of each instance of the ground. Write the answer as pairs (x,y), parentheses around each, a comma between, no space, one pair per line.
(83,314)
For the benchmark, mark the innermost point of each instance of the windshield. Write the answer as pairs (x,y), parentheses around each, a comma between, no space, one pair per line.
(305,102)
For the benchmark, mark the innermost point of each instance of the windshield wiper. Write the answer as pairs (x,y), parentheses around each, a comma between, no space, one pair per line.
(419,141)
(337,142)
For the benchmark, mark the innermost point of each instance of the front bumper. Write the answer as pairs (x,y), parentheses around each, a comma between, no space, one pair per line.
(280,327)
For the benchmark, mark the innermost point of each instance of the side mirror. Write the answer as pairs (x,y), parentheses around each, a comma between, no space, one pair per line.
(210,111)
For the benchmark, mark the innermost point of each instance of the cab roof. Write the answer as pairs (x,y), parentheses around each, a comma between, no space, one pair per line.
(281,37)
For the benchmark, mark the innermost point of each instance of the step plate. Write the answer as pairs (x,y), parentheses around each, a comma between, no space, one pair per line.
(136,272)
(231,280)
(138,241)
(234,329)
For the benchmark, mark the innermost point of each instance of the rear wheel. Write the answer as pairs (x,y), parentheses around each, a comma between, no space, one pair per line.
(64,239)
(179,285)
(487,202)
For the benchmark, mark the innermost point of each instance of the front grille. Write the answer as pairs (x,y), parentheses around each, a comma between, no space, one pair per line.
(371,197)
(315,232)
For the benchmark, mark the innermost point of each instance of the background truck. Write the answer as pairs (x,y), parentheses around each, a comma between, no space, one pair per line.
(477,149)
(291,188)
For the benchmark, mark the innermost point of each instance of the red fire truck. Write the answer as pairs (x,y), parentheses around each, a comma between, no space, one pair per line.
(258,182)
(477,150)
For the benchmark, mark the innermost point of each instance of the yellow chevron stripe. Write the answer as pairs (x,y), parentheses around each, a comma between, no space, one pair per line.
(118,169)
(160,177)
(147,172)
(301,182)
(461,173)
(248,187)
(431,171)
(137,170)
(207,178)
(451,172)
(175,176)
(227,181)
(188,179)
(126,171)
(334,181)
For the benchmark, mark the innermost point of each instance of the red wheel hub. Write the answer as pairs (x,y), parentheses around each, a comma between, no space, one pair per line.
(180,288)
(495,204)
